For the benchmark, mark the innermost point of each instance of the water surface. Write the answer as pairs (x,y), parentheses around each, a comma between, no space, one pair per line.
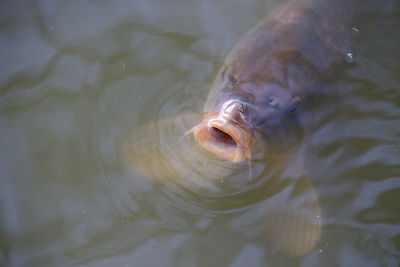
(80,79)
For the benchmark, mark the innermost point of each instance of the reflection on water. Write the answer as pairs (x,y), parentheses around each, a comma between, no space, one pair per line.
(94,100)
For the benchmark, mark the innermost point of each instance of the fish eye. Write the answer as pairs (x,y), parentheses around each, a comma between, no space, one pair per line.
(232,79)
(273,101)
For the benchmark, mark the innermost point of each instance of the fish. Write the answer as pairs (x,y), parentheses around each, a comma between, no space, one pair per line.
(251,112)
(271,72)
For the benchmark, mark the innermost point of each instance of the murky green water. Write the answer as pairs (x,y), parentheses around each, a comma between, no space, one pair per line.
(80,79)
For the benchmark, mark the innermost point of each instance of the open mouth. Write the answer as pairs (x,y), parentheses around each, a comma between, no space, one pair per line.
(227,140)
(222,137)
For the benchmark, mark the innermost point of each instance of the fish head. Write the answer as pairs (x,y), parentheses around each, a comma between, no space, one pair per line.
(238,112)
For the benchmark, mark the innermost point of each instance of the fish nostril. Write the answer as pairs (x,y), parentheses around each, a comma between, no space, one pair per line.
(242,109)
(273,101)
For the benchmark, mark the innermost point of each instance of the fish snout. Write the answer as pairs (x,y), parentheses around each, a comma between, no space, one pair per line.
(234,111)
(225,133)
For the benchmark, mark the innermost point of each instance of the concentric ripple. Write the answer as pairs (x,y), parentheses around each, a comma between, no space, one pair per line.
(191,180)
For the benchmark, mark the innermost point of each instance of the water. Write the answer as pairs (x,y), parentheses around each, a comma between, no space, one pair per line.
(83,81)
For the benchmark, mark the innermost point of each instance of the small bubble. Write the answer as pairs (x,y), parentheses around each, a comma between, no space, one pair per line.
(349,57)
(320,251)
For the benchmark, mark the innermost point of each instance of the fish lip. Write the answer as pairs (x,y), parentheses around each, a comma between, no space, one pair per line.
(210,133)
